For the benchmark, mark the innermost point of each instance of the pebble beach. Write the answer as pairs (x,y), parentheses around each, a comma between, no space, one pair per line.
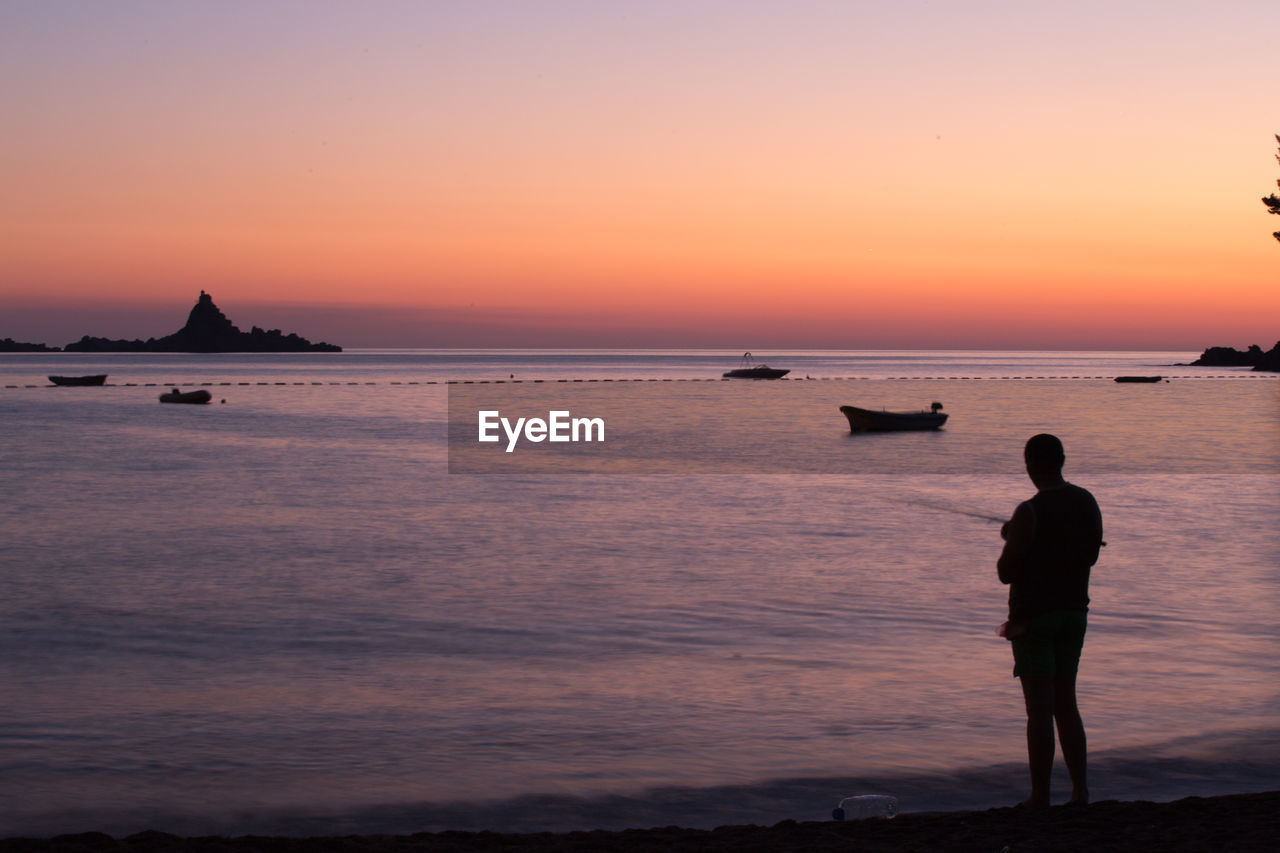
(1240,822)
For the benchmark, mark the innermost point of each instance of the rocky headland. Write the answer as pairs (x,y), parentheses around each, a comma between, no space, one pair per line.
(10,345)
(1231,357)
(207,330)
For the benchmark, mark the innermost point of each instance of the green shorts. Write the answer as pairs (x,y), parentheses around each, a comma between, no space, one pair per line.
(1051,646)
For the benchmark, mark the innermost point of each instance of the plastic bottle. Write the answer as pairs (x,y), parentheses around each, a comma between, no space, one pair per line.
(865,806)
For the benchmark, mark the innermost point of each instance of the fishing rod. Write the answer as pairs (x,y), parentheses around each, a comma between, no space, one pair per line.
(984,516)
(972,514)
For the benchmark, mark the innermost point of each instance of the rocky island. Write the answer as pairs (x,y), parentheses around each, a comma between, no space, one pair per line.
(1231,357)
(207,330)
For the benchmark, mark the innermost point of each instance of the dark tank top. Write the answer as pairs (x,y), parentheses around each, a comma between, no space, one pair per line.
(1055,573)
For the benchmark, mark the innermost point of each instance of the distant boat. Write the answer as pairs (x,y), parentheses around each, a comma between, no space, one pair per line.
(751,370)
(1139,378)
(870,420)
(97,379)
(176,396)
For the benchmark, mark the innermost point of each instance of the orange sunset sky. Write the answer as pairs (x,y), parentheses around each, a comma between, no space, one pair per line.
(577,174)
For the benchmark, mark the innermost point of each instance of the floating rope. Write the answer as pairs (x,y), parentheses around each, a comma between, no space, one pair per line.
(660,379)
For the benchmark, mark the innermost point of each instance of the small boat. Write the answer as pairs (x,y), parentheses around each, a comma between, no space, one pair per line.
(869,420)
(1139,378)
(751,370)
(96,379)
(176,396)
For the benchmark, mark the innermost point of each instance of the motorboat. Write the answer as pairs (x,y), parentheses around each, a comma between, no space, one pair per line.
(871,420)
(751,370)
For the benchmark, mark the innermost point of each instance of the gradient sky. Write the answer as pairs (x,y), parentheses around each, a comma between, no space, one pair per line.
(745,174)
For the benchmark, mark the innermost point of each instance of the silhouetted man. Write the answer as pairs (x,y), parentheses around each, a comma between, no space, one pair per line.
(1051,543)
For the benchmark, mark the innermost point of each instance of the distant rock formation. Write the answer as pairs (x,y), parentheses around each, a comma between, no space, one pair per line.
(1270,359)
(207,330)
(10,345)
(1231,357)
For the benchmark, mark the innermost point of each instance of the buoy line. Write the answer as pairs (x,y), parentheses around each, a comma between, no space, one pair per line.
(277,383)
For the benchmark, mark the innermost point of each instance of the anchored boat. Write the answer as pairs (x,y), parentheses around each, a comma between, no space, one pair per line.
(96,379)
(751,370)
(176,396)
(870,420)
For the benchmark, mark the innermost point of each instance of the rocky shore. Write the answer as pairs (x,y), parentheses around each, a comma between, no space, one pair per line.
(1241,822)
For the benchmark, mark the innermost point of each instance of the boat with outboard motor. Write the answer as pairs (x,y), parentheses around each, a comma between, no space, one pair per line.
(870,420)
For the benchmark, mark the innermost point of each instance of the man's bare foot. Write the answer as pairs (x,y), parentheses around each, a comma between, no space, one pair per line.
(1033,803)
(1079,798)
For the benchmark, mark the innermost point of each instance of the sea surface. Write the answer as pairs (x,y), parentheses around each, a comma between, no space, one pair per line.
(282,613)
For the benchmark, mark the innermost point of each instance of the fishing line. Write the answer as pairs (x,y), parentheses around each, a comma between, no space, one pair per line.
(944,508)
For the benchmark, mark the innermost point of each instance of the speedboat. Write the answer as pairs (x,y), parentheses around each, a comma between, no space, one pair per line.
(751,370)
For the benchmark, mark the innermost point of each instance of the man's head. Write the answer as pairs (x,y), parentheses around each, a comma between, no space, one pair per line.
(1044,456)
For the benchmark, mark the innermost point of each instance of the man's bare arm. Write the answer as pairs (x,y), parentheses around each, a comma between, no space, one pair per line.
(1018,533)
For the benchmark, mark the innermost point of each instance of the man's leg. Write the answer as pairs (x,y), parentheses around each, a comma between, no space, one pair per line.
(1038,692)
(1071,735)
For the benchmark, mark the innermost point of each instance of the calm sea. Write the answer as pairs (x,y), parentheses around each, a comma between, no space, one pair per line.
(281,613)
